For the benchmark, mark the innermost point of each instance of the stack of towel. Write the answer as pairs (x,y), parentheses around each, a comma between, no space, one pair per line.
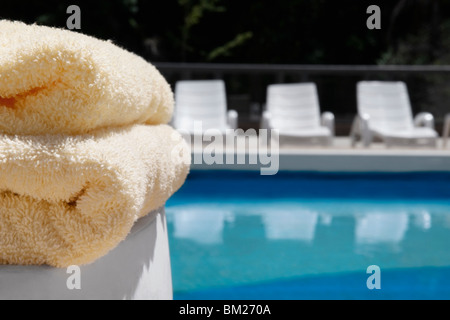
(84,146)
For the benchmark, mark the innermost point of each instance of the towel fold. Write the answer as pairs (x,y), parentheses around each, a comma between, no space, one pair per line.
(59,81)
(68,200)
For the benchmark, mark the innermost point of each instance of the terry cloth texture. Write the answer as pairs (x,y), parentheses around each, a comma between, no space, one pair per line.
(59,81)
(84,148)
(68,200)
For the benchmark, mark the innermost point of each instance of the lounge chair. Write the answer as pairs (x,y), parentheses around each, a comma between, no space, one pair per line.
(202,101)
(294,110)
(384,112)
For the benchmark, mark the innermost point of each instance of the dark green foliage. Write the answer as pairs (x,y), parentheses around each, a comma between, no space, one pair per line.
(283,31)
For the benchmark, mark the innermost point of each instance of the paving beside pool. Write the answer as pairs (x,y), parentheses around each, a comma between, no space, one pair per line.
(338,157)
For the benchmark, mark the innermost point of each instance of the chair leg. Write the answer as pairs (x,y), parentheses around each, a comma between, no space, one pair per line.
(366,139)
(446,131)
(366,133)
(327,141)
(354,132)
(388,142)
(433,143)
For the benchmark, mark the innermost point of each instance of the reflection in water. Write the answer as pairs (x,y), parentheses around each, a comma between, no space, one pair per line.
(381,227)
(422,219)
(290,224)
(266,239)
(446,220)
(382,224)
(325,219)
(202,225)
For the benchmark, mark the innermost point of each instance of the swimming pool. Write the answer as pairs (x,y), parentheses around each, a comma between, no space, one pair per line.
(305,235)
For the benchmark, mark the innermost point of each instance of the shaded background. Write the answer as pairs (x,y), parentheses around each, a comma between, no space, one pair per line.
(319,32)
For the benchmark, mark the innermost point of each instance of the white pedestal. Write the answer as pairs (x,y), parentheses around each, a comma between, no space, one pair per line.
(138,268)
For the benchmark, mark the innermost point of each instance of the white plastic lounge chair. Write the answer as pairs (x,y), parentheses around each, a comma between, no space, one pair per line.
(202,101)
(294,110)
(384,112)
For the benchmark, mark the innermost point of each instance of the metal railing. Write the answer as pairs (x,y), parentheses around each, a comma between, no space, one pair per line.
(247,83)
(222,68)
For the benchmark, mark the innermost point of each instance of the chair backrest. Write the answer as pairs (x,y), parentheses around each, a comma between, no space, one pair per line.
(293,106)
(200,100)
(387,103)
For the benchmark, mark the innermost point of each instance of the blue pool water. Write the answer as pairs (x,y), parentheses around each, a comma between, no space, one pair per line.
(300,235)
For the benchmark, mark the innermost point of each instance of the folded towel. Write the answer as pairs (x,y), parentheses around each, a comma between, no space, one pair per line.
(70,199)
(59,81)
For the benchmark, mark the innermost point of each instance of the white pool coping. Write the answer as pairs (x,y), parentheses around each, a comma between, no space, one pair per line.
(341,157)
(137,269)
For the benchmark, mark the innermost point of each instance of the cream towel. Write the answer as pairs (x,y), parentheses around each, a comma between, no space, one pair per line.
(59,81)
(70,199)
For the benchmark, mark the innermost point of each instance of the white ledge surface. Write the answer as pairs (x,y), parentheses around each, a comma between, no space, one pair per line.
(137,269)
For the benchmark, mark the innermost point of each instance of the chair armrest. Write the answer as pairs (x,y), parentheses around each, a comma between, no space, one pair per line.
(232,119)
(327,120)
(424,119)
(361,128)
